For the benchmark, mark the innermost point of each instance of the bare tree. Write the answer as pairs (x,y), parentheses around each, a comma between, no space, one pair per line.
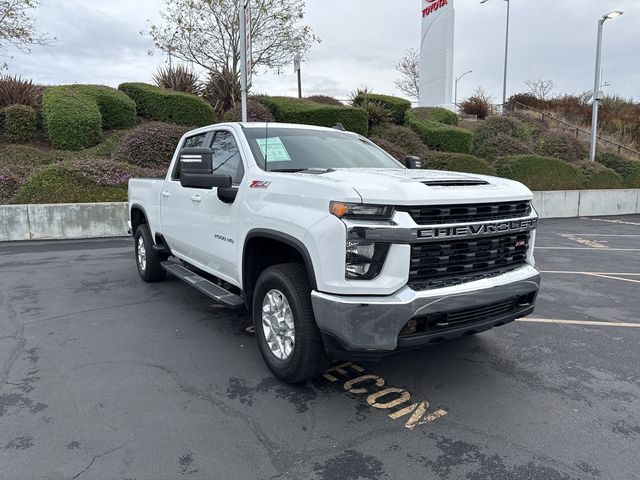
(540,88)
(409,68)
(207,33)
(17,27)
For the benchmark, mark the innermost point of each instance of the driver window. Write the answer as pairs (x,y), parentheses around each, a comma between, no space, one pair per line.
(226,156)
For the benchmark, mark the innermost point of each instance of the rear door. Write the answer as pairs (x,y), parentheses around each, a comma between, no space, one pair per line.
(180,206)
(216,239)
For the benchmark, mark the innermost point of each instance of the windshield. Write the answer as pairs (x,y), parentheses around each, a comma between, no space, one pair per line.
(292,149)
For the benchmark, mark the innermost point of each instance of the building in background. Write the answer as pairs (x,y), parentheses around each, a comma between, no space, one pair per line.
(436,53)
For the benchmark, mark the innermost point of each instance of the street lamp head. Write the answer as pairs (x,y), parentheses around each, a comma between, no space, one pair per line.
(612,15)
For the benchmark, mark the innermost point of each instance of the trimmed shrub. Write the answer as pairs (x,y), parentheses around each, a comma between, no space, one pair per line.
(66,183)
(629,170)
(326,100)
(256,112)
(393,149)
(439,136)
(501,145)
(527,99)
(540,173)
(495,125)
(457,162)
(561,145)
(396,106)
(150,145)
(10,183)
(16,91)
(162,105)
(403,137)
(72,118)
(598,176)
(294,110)
(19,124)
(118,111)
(434,114)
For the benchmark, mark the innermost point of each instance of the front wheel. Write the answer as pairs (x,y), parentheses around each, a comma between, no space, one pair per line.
(148,260)
(286,330)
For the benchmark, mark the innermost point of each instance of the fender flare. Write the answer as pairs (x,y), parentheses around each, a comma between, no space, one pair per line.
(287,240)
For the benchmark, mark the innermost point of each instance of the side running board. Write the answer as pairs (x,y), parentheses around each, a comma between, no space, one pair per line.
(216,292)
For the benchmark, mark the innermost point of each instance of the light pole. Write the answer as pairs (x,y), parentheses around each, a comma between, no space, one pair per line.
(506,56)
(455,97)
(597,92)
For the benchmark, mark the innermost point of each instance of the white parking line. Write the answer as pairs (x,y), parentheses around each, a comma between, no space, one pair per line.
(589,248)
(591,273)
(610,276)
(579,322)
(620,222)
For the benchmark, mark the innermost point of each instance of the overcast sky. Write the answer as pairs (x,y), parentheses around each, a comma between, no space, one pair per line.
(362,40)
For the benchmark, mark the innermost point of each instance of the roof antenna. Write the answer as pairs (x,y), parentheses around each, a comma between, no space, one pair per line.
(266,147)
(339,126)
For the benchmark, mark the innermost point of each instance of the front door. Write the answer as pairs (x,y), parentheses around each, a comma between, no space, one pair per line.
(216,238)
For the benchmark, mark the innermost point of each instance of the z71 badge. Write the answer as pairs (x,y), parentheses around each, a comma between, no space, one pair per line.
(259,184)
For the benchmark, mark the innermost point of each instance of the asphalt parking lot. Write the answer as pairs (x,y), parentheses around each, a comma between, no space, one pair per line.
(105,377)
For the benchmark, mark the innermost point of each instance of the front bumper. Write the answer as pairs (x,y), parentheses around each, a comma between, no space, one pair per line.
(369,326)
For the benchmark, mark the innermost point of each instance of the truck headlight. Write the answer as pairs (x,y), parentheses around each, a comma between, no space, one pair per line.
(361,211)
(364,260)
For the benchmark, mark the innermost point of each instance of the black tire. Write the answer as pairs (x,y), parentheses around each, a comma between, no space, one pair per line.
(308,358)
(150,270)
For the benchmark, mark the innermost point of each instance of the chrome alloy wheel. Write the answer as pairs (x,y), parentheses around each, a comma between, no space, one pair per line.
(142,254)
(277,324)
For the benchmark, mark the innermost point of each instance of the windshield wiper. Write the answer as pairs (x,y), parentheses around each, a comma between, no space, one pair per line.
(307,170)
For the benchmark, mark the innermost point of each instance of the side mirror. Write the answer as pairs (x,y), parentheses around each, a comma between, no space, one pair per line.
(412,163)
(196,160)
(204,180)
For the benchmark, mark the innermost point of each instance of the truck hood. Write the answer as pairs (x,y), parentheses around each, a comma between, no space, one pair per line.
(415,187)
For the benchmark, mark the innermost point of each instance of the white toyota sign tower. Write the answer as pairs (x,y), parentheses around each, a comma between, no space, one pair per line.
(436,53)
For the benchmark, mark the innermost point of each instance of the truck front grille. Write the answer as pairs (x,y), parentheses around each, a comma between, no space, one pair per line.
(479,212)
(452,262)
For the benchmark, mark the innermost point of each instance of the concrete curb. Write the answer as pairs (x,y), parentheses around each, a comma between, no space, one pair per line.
(63,221)
(97,220)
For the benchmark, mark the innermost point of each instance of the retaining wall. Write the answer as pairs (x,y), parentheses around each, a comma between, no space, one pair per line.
(96,220)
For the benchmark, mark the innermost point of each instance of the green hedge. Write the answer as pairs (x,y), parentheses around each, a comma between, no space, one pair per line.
(496,125)
(434,114)
(561,145)
(500,145)
(403,137)
(162,105)
(629,170)
(294,110)
(457,162)
(64,184)
(72,118)
(396,106)
(540,173)
(19,124)
(117,109)
(439,136)
(596,176)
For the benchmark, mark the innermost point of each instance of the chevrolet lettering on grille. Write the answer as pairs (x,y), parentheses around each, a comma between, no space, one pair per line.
(479,230)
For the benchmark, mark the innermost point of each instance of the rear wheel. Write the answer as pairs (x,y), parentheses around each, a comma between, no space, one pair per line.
(148,260)
(286,330)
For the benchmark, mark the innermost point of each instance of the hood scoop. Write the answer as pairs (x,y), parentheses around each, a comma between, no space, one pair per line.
(462,182)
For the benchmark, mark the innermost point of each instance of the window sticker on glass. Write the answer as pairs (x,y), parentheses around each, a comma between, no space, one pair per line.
(273,149)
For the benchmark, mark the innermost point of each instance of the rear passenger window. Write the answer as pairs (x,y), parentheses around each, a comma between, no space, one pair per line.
(226,156)
(195,141)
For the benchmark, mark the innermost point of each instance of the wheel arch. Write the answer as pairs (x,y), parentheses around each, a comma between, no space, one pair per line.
(262,238)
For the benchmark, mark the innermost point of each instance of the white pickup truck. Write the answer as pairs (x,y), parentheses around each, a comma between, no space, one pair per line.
(338,250)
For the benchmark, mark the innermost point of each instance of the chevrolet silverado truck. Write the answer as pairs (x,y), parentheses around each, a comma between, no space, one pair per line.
(337,250)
